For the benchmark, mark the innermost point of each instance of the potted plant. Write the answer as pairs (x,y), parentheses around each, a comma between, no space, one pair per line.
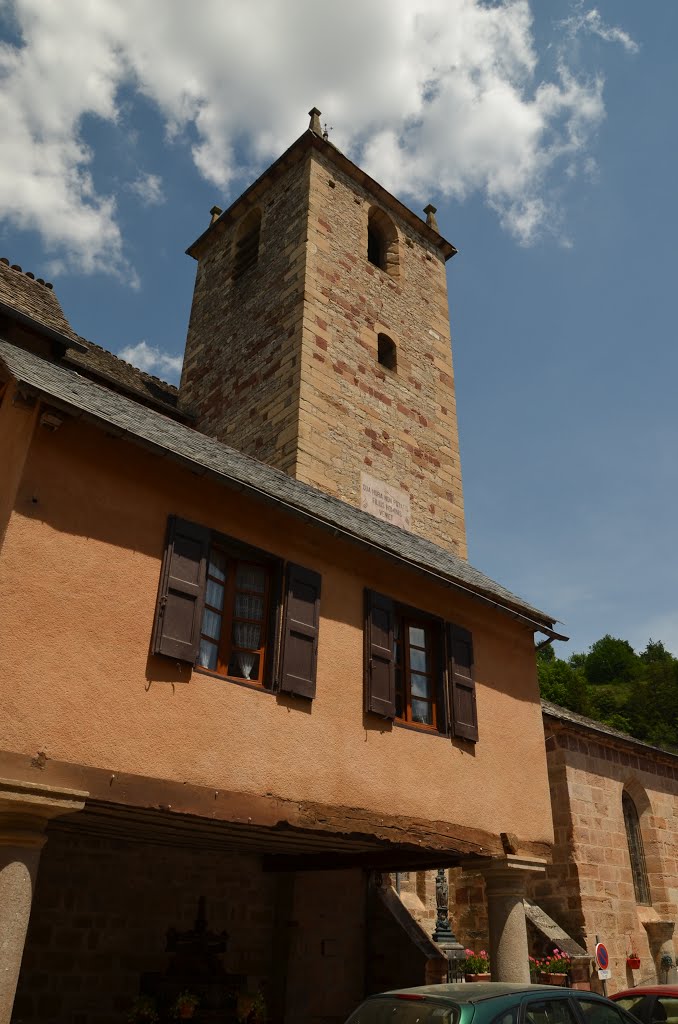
(554,969)
(476,966)
(633,960)
(143,1011)
(251,1008)
(186,1005)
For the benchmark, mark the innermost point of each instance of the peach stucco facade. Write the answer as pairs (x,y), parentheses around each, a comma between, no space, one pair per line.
(79,576)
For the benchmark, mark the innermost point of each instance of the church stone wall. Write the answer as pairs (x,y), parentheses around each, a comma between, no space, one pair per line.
(241,367)
(282,363)
(355,414)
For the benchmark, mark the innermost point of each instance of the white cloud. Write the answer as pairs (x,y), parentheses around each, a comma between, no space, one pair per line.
(148,188)
(153,360)
(433,96)
(591,22)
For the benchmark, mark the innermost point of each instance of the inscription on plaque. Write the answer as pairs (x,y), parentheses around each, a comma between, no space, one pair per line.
(388,503)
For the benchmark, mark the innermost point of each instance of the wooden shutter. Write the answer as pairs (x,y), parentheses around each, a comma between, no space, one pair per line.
(379,664)
(300,632)
(462,683)
(182,589)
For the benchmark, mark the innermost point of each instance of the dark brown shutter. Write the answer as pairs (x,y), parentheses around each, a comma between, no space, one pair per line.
(443,711)
(379,665)
(462,683)
(300,632)
(182,590)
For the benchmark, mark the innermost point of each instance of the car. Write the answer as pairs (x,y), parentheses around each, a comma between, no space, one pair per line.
(650,1004)
(489,1003)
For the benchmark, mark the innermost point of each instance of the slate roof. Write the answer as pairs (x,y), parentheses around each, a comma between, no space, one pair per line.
(98,362)
(571,718)
(35,301)
(34,298)
(68,389)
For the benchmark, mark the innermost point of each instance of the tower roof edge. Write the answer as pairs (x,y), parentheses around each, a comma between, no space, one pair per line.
(300,147)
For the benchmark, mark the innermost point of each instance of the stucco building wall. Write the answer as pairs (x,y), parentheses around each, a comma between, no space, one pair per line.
(90,516)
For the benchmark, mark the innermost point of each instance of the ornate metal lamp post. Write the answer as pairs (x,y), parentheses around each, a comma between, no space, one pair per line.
(443,934)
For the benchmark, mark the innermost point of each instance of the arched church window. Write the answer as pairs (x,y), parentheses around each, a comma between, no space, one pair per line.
(387,353)
(382,242)
(247,244)
(641,886)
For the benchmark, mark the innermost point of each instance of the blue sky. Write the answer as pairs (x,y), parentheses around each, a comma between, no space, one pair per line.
(546,136)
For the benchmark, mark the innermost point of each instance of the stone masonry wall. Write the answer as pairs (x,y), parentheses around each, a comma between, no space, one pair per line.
(355,414)
(102,908)
(100,915)
(282,363)
(591,883)
(241,366)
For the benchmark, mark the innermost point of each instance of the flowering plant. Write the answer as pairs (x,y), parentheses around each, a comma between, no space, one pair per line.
(143,1011)
(476,963)
(557,963)
(186,1004)
(251,1008)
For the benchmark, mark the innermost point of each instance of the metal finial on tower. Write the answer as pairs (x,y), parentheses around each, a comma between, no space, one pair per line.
(326,131)
(314,126)
(430,212)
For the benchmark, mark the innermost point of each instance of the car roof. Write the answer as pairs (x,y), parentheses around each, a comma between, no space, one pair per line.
(647,990)
(479,990)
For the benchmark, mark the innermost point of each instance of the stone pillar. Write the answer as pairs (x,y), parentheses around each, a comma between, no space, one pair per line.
(660,938)
(25,809)
(505,881)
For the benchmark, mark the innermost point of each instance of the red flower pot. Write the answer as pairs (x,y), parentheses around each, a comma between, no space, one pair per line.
(478,977)
(553,979)
(633,962)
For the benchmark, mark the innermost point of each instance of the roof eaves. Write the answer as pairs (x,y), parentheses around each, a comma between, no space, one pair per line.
(40,328)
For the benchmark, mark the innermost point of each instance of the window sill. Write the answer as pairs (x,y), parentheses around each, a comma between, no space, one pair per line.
(248,684)
(428,730)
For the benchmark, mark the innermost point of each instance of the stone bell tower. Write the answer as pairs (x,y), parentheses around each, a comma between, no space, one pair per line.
(319,339)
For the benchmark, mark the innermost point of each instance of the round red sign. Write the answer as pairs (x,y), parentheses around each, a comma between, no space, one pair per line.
(602,956)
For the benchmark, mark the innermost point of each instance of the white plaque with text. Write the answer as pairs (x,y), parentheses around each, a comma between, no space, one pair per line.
(386,502)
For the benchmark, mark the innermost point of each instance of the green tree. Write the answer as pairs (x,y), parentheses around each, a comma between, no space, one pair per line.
(635,693)
(655,652)
(611,660)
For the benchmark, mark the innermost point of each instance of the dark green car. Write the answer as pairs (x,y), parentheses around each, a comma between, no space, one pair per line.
(488,1003)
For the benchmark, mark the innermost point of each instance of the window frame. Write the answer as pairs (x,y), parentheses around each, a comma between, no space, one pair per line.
(634,841)
(407,617)
(293,626)
(236,554)
(455,677)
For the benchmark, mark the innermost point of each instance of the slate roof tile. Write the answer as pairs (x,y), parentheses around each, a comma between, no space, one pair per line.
(33,298)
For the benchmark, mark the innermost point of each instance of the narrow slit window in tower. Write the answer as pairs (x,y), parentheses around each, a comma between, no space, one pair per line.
(386,352)
(247,244)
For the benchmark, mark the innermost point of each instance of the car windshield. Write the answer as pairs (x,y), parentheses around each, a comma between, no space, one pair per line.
(391,1010)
